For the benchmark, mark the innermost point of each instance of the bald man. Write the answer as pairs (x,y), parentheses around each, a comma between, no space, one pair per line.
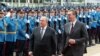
(43,40)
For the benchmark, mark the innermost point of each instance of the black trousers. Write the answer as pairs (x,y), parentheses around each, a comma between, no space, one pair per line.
(20,47)
(1,48)
(68,52)
(39,53)
(98,33)
(26,47)
(59,43)
(91,35)
(10,46)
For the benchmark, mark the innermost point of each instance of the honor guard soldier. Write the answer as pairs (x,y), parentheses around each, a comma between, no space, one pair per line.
(59,30)
(32,19)
(62,18)
(52,17)
(95,20)
(46,12)
(55,20)
(89,22)
(39,14)
(82,17)
(64,10)
(22,36)
(66,17)
(26,9)
(2,32)
(30,24)
(56,27)
(36,16)
(93,24)
(11,30)
(98,24)
(84,20)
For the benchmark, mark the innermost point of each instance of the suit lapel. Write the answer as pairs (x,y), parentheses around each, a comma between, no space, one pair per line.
(67,28)
(38,32)
(75,27)
(46,31)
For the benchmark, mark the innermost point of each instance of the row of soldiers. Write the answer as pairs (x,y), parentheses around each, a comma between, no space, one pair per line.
(92,20)
(17,24)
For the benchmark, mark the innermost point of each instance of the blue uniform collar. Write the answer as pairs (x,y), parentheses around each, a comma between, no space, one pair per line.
(1,18)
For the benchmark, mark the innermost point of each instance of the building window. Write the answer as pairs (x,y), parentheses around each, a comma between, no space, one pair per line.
(31,1)
(46,0)
(35,1)
(59,0)
(1,0)
(7,0)
(23,1)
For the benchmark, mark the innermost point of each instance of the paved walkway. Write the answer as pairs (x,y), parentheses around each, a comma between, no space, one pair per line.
(93,51)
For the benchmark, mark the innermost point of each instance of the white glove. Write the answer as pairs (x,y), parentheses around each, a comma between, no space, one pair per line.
(60,55)
(89,16)
(87,26)
(8,14)
(5,24)
(55,19)
(27,36)
(49,19)
(59,18)
(84,16)
(30,53)
(28,21)
(59,31)
(37,20)
(80,15)
(53,55)
(65,18)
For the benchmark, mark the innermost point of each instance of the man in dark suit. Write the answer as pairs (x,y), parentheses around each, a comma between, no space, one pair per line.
(74,36)
(43,40)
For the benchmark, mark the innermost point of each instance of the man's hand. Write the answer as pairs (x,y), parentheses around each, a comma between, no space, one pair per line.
(61,55)
(72,41)
(53,55)
(30,53)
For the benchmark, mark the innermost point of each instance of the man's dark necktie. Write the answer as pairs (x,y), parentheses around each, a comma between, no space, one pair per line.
(41,33)
(72,28)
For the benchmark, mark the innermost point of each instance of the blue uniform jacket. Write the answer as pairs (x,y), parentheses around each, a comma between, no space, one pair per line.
(11,29)
(2,30)
(21,32)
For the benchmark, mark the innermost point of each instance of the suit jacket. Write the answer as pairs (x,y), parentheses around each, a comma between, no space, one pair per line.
(45,46)
(79,34)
